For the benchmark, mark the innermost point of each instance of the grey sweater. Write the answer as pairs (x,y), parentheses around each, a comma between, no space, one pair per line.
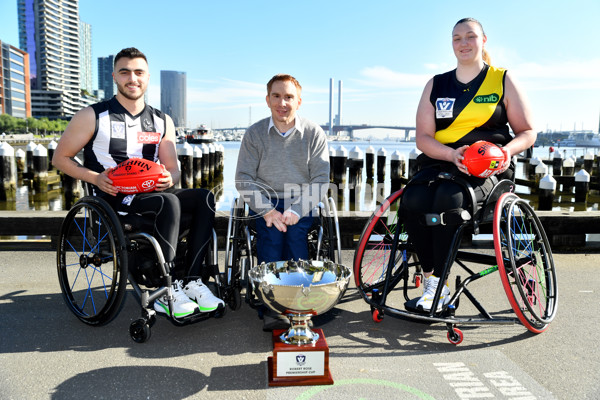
(293,169)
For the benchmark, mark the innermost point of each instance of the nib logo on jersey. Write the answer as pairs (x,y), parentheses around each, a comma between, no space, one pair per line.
(148,137)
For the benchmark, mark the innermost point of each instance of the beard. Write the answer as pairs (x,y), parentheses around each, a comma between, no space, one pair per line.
(128,95)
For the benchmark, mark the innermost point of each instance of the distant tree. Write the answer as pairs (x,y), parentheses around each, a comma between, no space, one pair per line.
(8,123)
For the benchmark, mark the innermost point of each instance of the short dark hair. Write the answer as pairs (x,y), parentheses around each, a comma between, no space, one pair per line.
(130,52)
(284,78)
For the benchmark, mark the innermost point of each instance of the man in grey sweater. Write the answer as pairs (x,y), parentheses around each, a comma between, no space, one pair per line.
(282,173)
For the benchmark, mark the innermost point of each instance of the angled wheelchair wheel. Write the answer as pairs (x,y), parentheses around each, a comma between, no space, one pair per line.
(91,261)
(372,256)
(525,263)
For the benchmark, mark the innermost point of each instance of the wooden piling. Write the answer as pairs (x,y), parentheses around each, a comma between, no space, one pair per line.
(51,147)
(29,158)
(185,155)
(197,166)
(340,159)
(381,159)
(370,161)
(8,173)
(40,169)
(206,178)
(557,162)
(397,170)
(582,186)
(546,193)
(355,168)
(412,162)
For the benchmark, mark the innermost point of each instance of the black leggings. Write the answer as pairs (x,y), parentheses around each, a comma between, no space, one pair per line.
(424,194)
(167,207)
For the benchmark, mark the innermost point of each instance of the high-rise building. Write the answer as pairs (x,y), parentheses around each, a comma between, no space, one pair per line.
(105,79)
(173,96)
(85,57)
(15,95)
(49,32)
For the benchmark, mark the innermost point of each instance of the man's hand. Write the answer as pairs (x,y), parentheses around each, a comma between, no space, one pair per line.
(290,218)
(275,218)
(104,183)
(165,182)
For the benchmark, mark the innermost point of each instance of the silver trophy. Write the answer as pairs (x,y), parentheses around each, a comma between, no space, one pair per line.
(299,290)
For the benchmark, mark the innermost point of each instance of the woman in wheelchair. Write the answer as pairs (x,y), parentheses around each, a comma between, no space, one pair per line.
(123,127)
(475,101)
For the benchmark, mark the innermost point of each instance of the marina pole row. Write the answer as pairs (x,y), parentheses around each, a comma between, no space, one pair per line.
(200,164)
(542,177)
(32,165)
(351,164)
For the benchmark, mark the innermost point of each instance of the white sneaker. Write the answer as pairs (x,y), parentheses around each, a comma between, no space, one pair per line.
(430,286)
(182,305)
(201,294)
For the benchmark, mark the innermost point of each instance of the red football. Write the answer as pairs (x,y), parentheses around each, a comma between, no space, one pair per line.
(136,175)
(483,158)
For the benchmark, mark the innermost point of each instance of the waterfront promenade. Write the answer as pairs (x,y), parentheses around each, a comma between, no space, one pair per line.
(46,353)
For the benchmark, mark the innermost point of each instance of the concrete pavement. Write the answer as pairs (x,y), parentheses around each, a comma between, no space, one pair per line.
(46,353)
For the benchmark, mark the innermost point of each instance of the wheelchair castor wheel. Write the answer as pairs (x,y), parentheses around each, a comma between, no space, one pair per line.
(139,331)
(455,336)
(377,315)
(235,300)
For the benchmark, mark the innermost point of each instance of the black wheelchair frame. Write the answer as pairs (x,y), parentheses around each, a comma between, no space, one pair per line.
(385,258)
(95,249)
(323,242)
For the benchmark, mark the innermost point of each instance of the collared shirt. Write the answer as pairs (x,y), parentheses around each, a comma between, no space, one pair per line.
(284,134)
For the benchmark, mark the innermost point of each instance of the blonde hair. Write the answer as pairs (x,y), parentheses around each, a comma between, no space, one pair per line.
(484,54)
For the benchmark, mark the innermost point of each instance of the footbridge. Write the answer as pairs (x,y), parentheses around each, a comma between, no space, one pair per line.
(338,130)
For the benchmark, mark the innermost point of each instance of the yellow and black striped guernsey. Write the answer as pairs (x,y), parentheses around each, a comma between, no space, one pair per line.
(466,113)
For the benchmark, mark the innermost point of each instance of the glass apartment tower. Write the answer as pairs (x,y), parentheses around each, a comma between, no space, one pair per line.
(49,32)
(85,57)
(105,79)
(15,98)
(173,96)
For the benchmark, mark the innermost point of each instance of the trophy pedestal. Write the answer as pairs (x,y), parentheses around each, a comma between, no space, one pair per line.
(294,365)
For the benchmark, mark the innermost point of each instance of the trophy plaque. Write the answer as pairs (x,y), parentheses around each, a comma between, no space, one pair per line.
(299,290)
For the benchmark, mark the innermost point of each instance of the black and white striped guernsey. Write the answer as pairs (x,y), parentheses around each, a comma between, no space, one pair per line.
(119,135)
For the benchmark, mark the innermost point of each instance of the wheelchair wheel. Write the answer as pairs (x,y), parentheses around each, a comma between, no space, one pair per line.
(525,263)
(324,241)
(238,254)
(372,255)
(92,262)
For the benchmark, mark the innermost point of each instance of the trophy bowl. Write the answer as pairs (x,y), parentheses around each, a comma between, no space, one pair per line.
(299,290)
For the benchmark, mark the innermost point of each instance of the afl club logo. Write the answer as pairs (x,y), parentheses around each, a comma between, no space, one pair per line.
(148,184)
(147,124)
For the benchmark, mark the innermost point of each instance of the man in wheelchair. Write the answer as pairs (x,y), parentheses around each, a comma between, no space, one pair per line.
(123,127)
(283,173)
(453,114)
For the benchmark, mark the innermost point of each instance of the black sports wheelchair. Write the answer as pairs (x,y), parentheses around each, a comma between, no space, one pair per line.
(387,270)
(240,252)
(99,252)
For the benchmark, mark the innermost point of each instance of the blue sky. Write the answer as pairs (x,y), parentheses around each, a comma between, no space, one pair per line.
(383,51)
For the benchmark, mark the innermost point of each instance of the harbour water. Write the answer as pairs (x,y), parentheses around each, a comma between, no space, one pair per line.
(225,189)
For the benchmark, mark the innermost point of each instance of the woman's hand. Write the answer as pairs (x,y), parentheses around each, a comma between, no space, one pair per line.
(458,157)
(506,162)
